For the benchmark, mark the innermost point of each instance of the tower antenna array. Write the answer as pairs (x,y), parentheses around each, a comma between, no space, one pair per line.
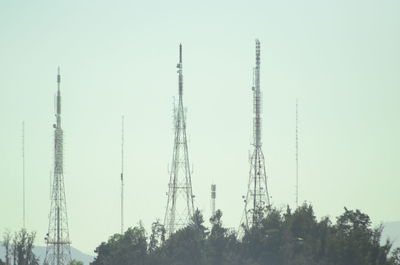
(122,176)
(58,251)
(257,198)
(180,207)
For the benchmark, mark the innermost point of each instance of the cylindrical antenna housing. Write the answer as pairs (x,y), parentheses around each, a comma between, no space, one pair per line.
(213,197)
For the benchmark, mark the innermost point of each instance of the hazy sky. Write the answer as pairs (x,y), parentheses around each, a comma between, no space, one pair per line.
(341,59)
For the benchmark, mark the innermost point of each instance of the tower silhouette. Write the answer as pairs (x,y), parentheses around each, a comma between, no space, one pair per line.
(58,250)
(257,198)
(180,207)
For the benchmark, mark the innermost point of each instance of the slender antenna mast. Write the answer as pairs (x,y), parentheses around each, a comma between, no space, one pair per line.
(58,250)
(257,199)
(23,174)
(122,175)
(180,206)
(297,156)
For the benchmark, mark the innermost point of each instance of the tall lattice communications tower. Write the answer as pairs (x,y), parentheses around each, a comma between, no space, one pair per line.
(180,207)
(257,198)
(58,250)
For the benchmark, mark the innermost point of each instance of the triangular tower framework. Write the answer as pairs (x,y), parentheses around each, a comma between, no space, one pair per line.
(180,207)
(58,251)
(257,197)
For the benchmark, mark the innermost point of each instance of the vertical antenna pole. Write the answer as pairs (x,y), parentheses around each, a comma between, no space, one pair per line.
(122,176)
(180,53)
(58,92)
(297,157)
(180,73)
(58,147)
(23,174)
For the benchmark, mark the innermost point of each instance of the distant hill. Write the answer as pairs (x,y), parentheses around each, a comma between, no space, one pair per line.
(40,252)
(391,231)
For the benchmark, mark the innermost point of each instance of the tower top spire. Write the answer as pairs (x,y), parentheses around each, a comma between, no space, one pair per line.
(257,98)
(180,53)
(58,77)
(257,53)
(179,66)
(58,102)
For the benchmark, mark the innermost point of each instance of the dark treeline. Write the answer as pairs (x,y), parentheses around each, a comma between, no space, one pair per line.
(279,238)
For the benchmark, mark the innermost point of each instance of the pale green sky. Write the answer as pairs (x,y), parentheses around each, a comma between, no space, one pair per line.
(340,58)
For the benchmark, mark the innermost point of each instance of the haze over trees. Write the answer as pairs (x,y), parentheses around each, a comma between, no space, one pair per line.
(279,238)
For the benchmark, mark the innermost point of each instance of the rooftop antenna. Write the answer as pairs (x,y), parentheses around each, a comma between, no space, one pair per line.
(257,198)
(122,175)
(180,206)
(297,156)
(23,174)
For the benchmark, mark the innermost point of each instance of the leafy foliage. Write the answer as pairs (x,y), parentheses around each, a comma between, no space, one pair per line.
(19,248)
(75,262)
(129,248)
(276,238)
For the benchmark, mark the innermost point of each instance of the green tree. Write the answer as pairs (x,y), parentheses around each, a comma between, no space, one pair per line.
(7,247)
(22,248)
(187,246)
(354,242)
(395,258)
(221,245)
(301,237)
(276,238)
(75,262)
(261,243)
(127,249)
(157,237)
(19,248)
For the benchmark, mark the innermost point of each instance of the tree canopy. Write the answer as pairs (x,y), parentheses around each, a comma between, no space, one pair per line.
(277,238)
(19,248)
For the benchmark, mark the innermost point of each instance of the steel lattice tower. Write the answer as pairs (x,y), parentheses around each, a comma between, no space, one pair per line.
(180,207)
(257,198)
(58,250)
